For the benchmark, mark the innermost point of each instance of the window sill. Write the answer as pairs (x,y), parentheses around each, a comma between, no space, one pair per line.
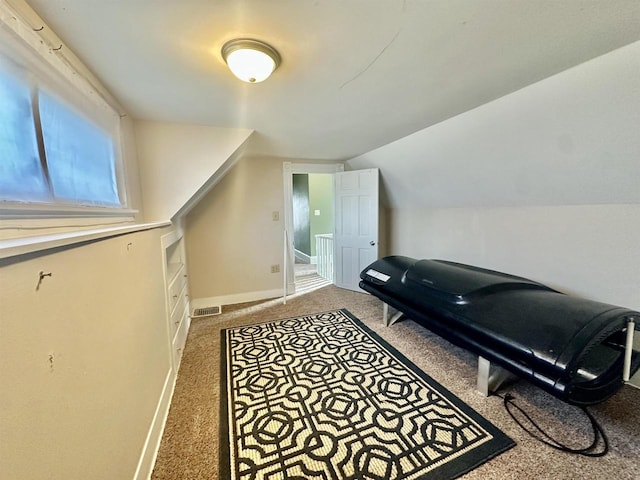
(20,246)
(14,211)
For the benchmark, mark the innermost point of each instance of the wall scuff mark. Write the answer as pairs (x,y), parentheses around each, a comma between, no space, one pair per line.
(41,276)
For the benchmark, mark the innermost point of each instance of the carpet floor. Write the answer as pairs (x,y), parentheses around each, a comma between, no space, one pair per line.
(189,448)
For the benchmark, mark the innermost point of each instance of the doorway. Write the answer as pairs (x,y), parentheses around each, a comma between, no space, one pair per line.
(313,225)
(307,256)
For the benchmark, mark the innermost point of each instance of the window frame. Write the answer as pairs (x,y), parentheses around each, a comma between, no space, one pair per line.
(49,70)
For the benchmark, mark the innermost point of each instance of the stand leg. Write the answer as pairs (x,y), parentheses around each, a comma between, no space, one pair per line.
(385,316)
(631,328)
(490,377)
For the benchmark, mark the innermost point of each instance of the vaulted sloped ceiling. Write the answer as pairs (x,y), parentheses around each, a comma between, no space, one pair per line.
(570,139)
(355,75)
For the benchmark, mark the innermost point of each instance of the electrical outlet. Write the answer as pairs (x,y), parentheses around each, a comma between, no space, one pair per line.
(275,268)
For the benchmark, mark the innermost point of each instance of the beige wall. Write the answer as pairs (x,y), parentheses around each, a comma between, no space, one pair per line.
(231,237)
(177,160)
(84,358)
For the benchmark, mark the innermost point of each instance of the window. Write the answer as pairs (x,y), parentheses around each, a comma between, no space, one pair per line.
(79,156)
(21,175)
(50,151)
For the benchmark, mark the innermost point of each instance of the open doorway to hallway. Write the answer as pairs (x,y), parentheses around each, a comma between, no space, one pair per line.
(313,222)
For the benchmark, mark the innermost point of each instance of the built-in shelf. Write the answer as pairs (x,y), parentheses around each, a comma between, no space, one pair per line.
(172,270)
(177,293)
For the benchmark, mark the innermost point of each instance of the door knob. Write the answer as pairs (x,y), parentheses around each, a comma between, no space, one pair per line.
(372,243)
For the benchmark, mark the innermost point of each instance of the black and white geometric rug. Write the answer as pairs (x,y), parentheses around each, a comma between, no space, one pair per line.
(323,397)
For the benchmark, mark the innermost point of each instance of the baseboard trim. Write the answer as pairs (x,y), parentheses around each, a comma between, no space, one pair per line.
(303,257)
(154,436)
(235,298)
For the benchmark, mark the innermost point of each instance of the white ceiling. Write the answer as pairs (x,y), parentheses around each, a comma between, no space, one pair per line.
(355,74)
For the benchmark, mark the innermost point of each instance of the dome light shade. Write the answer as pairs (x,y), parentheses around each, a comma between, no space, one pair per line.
(250,60)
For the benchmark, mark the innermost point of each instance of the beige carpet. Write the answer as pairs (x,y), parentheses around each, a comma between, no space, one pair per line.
(189,448)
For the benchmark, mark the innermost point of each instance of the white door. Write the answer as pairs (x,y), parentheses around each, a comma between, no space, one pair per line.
(356,225)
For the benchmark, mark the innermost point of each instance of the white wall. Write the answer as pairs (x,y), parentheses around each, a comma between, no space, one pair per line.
(541,183)
(84,358)
(178,160)
(590,251)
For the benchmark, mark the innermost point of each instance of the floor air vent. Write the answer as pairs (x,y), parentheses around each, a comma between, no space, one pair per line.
(207,311)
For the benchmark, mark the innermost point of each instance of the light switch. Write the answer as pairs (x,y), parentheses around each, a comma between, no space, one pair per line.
(276,216)
(316,213)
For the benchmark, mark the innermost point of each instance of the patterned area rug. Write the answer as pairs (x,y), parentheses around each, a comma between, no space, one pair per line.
(323,397)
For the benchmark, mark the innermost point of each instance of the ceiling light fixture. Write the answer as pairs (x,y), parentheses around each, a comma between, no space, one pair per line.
(250,60)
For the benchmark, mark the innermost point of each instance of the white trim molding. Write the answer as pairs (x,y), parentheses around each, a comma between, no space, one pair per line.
(19,246)
(154,436)
(234,298)
(303,257)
